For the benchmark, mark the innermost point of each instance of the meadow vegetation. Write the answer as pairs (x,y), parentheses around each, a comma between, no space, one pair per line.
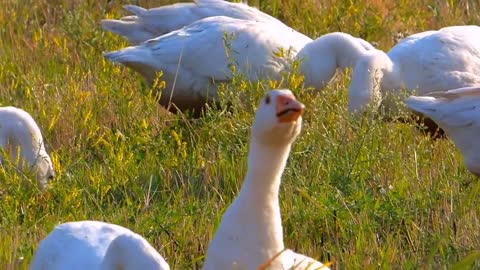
(361,193)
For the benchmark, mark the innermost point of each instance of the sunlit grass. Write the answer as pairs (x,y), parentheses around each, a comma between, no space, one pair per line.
(361,194)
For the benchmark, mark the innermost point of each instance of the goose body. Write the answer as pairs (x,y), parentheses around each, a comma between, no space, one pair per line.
(146,24)
(250,232)
(20,137)
(457,112)
(194,59)
(429,61)
(95,245)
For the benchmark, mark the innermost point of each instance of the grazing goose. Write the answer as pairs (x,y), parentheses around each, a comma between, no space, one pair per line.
(20,137)
(151,23)
(95,245)
(430,61)
(250,232)
(458,113)
(194,59)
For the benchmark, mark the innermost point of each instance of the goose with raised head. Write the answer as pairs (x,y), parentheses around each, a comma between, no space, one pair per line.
(95,245)
(194,59)
(250,232)
(20,137)
(457,111)
(429,61)
(146,24)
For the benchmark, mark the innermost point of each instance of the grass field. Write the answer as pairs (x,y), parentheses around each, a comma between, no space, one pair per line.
(358,193)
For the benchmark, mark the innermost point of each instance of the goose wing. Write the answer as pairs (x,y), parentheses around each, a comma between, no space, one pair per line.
(149,23)
(75,245)
(439,60)
(453,108)
(207,47)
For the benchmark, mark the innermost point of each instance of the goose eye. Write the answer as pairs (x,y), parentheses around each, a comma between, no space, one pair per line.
(267,99)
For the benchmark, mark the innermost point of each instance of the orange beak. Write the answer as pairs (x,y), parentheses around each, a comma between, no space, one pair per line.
(288,109)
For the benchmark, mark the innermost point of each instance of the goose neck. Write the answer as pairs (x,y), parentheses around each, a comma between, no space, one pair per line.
(265,167)
(347,49)
(321,58)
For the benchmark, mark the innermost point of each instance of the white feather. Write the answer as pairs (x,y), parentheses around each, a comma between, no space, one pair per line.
(150,23)
(457,111)
(20,137)
(95,245)
(430,61)
(250,232)
(194,59)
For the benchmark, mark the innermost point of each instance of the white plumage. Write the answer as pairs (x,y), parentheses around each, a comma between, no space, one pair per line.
(194,59)
(429,61)
(95,245)
(197,57)
(458,113)
(21,138)
(250,232)
(150,23)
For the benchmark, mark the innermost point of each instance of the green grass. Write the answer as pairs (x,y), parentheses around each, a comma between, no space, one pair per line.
(362,194)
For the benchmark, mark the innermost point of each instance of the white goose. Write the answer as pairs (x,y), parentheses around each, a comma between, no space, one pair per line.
(429,61)
(458,113)
(146,24)
(95,245)
(250,232)
(21,138)
(194,58)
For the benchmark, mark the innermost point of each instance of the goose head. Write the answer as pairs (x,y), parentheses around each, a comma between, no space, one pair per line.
(44,169)
(278,119)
